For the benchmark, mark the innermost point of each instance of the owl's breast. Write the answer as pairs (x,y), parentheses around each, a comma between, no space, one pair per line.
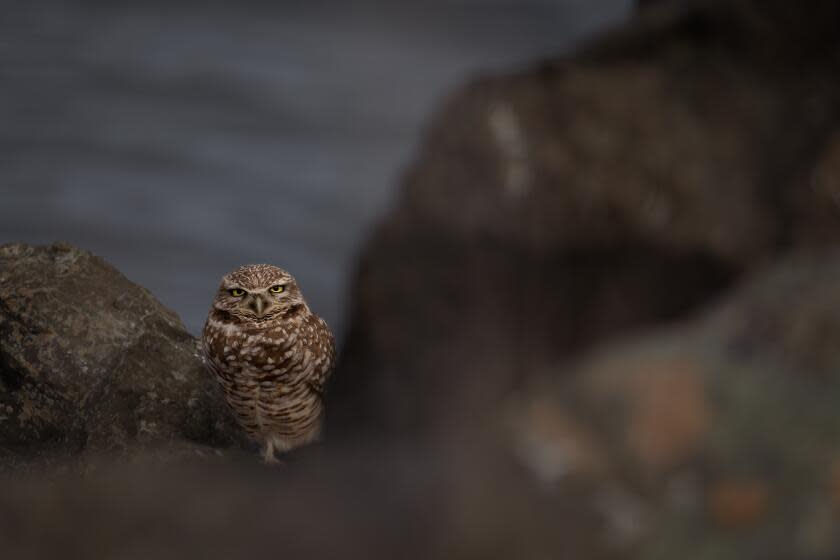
(258,352)
(272,373)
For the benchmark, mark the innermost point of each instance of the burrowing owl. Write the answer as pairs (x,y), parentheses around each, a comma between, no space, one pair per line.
(271,355)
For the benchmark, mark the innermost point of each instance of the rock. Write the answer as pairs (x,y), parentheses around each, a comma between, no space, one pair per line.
(721,432)
(91,363)
(567,204)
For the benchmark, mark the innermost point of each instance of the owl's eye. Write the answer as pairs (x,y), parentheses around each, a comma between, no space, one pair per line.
(236,292)
(277,289)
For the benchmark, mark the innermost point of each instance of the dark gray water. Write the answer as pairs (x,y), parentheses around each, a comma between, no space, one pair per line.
(180,142)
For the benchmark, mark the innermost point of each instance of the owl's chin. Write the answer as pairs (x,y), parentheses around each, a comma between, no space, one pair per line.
(251,318)
(234,315)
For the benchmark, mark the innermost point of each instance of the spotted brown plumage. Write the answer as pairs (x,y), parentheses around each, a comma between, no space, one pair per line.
(271,355)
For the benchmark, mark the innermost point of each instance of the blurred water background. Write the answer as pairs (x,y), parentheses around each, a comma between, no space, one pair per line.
(180,140)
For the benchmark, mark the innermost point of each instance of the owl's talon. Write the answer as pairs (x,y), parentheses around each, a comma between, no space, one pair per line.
(268,454)
(272,460)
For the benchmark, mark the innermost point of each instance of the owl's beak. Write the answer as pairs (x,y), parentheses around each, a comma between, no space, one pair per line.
(258,305)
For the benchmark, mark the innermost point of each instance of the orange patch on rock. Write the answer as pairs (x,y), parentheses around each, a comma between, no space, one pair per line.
(668,413)
(834,485)
(738,504)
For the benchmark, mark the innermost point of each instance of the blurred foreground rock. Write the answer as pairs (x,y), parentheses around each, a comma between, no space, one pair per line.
(91,363)
(717,438)
(564,205)
(361,502)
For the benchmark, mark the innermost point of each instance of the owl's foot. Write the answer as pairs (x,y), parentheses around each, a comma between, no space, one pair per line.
(268,454)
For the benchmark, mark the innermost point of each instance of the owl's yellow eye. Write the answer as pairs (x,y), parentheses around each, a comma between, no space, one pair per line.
(237,292)
(277,289)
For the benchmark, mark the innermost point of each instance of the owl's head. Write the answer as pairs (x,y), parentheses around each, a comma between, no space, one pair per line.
(257,292)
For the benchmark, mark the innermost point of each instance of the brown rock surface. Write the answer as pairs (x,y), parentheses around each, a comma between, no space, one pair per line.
(721,432)
(91,363)
(577,200)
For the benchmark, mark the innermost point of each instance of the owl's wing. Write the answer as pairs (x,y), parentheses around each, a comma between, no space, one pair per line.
(318,381)
(321,373)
